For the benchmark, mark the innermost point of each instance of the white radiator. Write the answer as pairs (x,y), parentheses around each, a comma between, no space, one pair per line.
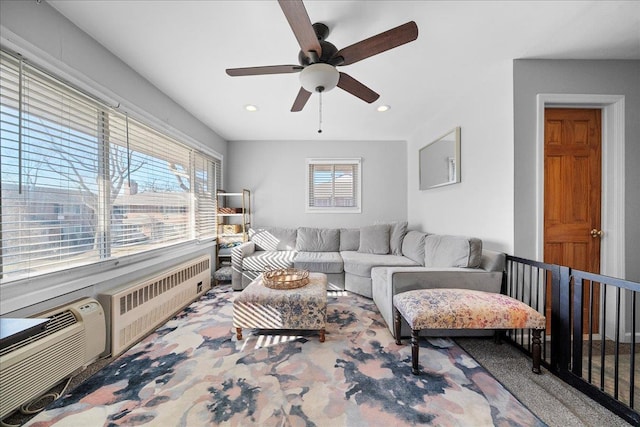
(74,336)
(139,308)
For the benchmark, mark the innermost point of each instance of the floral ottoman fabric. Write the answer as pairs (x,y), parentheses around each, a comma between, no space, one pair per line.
(465,309)
(258,306)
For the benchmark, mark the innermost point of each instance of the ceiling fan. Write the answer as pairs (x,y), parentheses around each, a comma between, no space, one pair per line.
(318,58)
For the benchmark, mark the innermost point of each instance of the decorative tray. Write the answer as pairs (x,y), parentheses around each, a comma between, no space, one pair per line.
(285,278)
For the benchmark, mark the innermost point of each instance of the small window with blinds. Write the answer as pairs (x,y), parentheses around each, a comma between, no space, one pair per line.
(82,183)
(333,185)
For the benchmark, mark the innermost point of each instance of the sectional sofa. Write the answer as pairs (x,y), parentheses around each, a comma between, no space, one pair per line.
(375,261)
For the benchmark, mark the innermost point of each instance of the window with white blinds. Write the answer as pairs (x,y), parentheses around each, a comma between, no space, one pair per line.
(82,183)
(205,179)
(333,185)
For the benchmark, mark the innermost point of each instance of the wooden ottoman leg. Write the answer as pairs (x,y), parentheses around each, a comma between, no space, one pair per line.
(536,350)
(396,325)
(322,335)
(239,333)
(414,352)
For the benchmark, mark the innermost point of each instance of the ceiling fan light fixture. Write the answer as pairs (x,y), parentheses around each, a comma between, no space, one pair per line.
(383,108)
(319,77)
(251,108)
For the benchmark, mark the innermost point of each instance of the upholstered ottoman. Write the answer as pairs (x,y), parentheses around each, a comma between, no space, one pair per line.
(260,307)
(464,309)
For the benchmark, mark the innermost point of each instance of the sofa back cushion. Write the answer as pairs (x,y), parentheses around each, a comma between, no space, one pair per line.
(398,231)
(452,251)
(318,239)
(413,246)
(273,238)
(349,239)
(374,239)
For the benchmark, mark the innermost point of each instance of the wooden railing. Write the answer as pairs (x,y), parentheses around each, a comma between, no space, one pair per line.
(592,330)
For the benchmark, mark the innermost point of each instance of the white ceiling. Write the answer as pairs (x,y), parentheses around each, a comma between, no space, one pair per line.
(184,47)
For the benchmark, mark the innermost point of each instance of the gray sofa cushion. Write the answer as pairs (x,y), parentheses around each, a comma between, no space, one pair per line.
(374,239)
(398,231)
(319,262)
(260,260)
(452,251)
(492,260)
(349,239)
(273,238)
(318,239)
(413,246)
(360,264)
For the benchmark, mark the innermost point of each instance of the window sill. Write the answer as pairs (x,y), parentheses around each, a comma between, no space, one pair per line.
(333,210)
(29,296)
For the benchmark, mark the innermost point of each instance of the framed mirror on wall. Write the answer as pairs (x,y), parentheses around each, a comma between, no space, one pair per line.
(440,161)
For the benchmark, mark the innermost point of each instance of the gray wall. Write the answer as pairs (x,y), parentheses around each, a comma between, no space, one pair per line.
(275,172)
(531,77)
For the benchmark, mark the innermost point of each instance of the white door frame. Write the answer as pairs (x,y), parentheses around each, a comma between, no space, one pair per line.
(612,249)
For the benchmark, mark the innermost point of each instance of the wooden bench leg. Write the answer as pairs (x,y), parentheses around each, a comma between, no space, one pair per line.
(397,321)
(536,350)
(322,335)
(239,334)
(414,352)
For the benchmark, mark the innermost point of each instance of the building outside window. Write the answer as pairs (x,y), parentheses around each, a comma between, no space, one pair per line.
(82,183)
(334,185)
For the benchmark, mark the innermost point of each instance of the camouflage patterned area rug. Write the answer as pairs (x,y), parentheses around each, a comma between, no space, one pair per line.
(193,372)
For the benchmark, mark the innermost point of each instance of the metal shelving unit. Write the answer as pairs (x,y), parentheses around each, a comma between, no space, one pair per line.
(233,221)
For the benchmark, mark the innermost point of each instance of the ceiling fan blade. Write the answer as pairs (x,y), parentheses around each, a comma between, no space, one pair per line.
(300,23)
(394,37)
(354,87)
(269,69)
(301,100)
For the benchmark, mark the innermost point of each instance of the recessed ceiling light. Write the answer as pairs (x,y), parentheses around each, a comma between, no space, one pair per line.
(251,108)
(383,108)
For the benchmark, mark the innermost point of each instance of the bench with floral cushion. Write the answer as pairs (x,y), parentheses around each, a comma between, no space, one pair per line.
(464,309)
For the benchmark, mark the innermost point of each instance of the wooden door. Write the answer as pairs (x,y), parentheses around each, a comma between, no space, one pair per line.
(572,194)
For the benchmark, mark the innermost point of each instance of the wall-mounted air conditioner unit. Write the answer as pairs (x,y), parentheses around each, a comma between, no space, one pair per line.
(74,336)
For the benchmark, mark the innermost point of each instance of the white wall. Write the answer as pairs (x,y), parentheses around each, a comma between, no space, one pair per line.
(275,172)
(45,37)
(482,204)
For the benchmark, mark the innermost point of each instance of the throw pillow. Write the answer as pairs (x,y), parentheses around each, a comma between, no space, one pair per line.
(318,239)
(374,239)
(398,231)
(273,238)
(349,239)
(413,246)
(452,251)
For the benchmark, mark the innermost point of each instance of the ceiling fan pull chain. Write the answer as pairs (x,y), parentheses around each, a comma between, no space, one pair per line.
(320,111)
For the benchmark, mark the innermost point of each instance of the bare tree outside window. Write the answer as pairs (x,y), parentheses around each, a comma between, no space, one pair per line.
(82,182)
